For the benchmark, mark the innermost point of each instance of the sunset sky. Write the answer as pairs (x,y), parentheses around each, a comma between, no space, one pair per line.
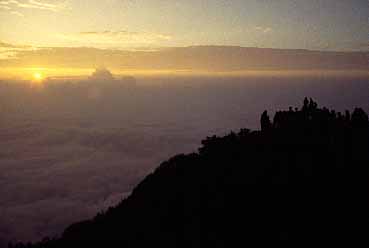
(95,94)
(26,25)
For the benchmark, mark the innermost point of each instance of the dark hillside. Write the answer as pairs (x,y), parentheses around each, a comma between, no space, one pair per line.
(303,179)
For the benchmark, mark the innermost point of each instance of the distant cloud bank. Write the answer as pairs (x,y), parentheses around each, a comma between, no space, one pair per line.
(195,58)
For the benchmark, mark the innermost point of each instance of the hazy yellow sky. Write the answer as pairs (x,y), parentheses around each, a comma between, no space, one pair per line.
(28,27)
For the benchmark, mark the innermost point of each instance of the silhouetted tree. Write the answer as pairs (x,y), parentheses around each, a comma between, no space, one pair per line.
(359,118)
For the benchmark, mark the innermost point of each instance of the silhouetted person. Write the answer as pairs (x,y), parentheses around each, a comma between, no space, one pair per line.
(265,121)
(305,106)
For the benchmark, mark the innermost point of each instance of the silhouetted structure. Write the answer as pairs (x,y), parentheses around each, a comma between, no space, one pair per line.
(301,180)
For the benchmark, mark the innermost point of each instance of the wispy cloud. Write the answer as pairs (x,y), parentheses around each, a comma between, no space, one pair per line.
(362,45)
(343,46)
(44,5)
(14,6)
(128,34)
(8,45)
(8,51)
(263,30)
(4,7)
(17,13)
(120,38)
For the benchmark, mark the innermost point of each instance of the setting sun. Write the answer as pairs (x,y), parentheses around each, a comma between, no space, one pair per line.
(38,76)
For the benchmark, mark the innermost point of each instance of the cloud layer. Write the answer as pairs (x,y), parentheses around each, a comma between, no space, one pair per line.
(70,149)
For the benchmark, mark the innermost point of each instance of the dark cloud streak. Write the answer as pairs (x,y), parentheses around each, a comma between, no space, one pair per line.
(209,58)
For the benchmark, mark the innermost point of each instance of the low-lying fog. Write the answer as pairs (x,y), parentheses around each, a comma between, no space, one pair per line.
(69,148)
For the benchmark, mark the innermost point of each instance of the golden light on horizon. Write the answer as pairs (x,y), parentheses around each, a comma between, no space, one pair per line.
(38,76)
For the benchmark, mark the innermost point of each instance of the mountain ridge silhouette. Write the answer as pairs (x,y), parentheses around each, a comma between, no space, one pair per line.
(303,179)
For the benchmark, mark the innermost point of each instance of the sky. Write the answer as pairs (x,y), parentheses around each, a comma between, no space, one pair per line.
(313,24)
(327,25)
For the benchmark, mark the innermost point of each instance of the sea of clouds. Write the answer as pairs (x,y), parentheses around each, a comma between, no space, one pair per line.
(70,148)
